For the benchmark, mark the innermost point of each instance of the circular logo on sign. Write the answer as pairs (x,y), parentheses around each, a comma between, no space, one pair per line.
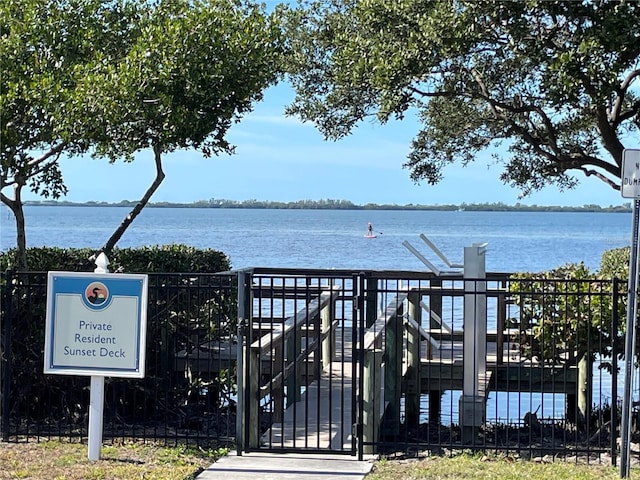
(96,295)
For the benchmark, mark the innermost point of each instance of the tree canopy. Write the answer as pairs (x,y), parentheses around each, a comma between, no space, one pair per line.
(549,87)
(45,50)
(195,69)
(114,78)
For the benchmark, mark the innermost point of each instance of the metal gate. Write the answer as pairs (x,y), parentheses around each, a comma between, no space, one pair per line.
(298,371)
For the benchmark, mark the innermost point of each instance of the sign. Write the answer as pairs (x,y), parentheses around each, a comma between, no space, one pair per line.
(630,188)
(96,324)
(630,173)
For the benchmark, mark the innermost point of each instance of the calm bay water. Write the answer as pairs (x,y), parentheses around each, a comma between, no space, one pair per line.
(516,241)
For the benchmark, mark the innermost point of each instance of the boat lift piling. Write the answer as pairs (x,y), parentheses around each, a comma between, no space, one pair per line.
(472,406)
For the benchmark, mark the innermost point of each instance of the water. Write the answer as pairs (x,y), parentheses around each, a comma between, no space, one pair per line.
(517,242)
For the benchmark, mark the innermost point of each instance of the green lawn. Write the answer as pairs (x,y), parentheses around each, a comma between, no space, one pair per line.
(491,467)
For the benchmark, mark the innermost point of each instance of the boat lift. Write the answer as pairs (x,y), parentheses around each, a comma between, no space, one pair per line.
(437,251)
(472,405)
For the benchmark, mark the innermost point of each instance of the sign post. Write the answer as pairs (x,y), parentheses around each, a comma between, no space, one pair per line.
(630,188)
(96,326)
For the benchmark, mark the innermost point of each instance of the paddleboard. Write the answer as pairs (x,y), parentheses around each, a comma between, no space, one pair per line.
(370,236)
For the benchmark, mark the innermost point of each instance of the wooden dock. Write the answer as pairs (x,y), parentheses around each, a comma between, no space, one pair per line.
(301,373)
(442,367)
(321,419)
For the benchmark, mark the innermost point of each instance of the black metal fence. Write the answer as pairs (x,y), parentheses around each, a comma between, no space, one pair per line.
(515,365)
(299,373)
(426,362)
(188,315)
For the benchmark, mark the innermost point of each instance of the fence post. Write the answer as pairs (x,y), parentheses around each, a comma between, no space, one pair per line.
(247,409)
(357,330)
(393,371)
(472,403)
(616,283)
(371,304)
(413,360)
(5,355)
(371,394)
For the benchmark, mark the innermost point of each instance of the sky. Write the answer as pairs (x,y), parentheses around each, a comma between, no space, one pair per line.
(278,158)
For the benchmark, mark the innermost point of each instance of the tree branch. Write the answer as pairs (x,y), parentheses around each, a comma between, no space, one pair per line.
(41,168)
(6,200)
(607,131)
(589,172)
(616,118)
(578,160)
(128,220)
(632,112)
(57,150)
(422,93)
(498,109)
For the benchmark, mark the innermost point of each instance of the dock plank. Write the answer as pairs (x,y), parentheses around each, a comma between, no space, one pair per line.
(322,417)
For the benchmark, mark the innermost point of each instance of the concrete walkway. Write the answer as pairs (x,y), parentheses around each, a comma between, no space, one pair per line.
(285,466)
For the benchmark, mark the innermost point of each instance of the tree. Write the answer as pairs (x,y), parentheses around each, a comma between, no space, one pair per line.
(46,48)
(195,69)
(556,82)
(168,75)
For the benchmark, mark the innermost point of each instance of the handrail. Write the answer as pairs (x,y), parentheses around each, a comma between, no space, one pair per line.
(265,343)
(454,291)
(436,317)
(422,332)
(390,312)
(278,379)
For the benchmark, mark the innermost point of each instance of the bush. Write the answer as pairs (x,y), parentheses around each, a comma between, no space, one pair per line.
(615,263)
(158,258)
(564,314)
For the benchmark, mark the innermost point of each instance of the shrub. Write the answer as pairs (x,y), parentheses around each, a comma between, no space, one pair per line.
(564,314)
(615,263)
(148,259)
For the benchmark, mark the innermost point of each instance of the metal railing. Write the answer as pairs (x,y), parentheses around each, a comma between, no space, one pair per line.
(187,394)
(346,361)
(297,367)
(525,366)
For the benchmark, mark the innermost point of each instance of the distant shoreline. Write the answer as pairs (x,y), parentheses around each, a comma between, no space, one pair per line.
(343,205)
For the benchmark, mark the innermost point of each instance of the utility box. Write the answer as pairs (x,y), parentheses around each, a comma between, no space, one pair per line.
(472,411)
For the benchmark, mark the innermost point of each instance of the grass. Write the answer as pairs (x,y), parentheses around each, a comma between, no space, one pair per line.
(69,461)
(477,467)
(128,460)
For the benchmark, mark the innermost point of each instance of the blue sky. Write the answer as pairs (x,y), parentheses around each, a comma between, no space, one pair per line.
(278,158)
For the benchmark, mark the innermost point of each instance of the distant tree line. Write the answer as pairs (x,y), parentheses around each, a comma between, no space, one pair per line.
(330,204)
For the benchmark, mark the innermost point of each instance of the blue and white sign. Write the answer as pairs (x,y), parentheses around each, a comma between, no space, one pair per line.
(96,324)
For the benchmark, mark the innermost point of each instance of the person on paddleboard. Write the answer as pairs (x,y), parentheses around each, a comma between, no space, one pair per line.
(369,229)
